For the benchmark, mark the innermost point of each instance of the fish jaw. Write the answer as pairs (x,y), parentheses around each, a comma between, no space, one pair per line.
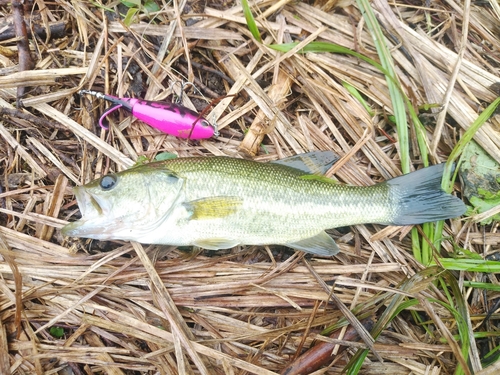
(95,217)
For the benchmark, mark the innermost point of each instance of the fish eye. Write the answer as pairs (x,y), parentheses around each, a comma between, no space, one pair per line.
(204,123)
(108,182)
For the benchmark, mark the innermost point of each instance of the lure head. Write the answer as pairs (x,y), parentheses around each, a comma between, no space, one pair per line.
(202,129)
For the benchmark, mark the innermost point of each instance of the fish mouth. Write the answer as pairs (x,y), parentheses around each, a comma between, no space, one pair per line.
(87,203)
(94,212)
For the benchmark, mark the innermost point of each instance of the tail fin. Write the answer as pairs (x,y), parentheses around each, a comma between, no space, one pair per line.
(420,199)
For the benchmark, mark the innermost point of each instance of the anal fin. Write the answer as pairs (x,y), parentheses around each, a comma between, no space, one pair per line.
(321,244)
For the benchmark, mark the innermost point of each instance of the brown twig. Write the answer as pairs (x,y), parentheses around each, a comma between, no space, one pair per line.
(39,121)
(23,48)
(210,70)
(321,353)
(55,30)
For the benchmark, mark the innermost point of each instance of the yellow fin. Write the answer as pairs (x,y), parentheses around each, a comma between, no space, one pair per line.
(216,243)
(214,207)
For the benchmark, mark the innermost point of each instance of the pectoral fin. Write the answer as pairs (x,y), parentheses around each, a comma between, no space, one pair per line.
(321,244)
(213,207)
(315,162)
(216,243)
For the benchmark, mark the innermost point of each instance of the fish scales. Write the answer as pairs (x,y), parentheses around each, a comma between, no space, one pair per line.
(278,200)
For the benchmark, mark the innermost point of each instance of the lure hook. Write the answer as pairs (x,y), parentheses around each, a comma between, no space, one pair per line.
(183,86)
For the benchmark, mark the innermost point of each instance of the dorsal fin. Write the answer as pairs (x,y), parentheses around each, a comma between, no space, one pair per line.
(314,162)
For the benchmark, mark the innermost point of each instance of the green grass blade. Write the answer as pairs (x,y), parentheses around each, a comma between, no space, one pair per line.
(398,100)
(460,312)
(480,285)
(355,93)
(323,47)
(416,283)
(470,265)
(251,24)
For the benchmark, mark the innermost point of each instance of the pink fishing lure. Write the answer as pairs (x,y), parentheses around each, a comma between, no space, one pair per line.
(167,117)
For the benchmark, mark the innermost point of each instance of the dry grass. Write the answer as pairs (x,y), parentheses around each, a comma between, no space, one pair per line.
(132,309)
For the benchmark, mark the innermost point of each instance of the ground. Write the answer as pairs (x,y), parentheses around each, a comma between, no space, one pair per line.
(389,87)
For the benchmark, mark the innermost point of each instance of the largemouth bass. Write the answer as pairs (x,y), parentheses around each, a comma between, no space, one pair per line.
(221,202)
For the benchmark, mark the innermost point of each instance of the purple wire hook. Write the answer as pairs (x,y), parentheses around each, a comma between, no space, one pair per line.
(106,114)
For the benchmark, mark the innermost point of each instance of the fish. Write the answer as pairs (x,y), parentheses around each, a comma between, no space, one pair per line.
(221,202)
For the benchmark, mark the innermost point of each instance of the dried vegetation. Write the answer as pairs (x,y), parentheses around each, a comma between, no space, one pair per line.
(74,306)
